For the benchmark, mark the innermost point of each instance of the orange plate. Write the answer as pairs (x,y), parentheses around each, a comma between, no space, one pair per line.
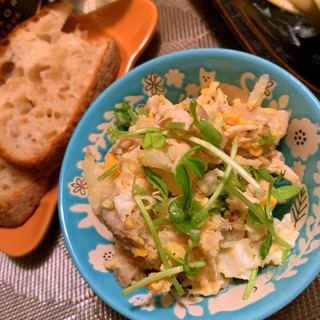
(132,24)
(19,241)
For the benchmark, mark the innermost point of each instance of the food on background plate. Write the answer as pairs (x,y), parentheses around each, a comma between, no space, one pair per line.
(188,192)
(310,9)
(48,78)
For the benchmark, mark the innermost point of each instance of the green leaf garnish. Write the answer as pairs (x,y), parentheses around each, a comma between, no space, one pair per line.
(259,215)
(265,174)
(254,217)
(184,211)
(265,246)
(157,181)
(140,110)
(182,221)
(207,130)
(268,139)
(195,165)
(124,117)
(284,193)
(175,125)
(153,140)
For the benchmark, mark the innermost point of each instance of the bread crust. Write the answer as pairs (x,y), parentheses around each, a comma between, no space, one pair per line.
(21,204)
(20,194)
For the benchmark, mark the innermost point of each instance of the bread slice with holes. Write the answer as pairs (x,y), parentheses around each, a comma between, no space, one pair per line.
(48,79)
(20,194)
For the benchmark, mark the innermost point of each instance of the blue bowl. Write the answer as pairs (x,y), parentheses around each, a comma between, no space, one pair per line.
(177,76)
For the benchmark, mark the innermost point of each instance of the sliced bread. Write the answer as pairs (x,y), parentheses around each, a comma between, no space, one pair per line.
(48,78)
(20,194)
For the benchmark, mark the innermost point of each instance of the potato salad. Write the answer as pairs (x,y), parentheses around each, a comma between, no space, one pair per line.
(188,191)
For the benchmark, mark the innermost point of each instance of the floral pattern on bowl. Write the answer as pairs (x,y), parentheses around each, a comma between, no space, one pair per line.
(301,149)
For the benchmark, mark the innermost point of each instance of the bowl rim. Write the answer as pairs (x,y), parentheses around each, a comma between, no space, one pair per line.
(218,52)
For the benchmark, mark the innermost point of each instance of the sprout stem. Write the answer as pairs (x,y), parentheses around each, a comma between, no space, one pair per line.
(229,161)
(160,275)
(157,241)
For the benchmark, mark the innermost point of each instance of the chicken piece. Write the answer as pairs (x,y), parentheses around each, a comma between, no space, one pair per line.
(258,131)
(162,110)
(123,266)
(126,223)
(277,166)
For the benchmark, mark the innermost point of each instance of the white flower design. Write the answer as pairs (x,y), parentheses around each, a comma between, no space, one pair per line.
(183,305)
(91,220)
(144,301)
(263,287)
(153,84)
(174,77)
(101,253)
(306,245)
(281,103)
(299,168)
(316,191)
(99,139)
(302,138)
(132,100)
(78,187)
(192,89)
